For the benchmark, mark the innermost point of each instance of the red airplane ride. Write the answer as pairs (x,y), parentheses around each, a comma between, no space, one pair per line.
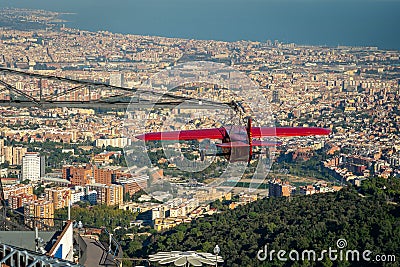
(237,141)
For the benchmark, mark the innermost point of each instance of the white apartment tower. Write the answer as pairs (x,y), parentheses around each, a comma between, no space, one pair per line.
(32,166)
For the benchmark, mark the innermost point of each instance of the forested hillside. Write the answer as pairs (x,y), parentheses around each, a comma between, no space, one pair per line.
(366,219)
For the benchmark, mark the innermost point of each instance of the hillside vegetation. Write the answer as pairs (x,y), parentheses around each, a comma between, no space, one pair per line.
(367,218)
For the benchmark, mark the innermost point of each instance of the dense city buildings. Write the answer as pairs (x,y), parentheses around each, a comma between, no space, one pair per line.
(20,200)
(279,189)
(78,175)
(109,195)
(74,156)
(39,209)
(17,189)
(13,154)
(59,196)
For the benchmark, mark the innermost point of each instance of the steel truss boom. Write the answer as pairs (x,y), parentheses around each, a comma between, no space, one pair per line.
(132,97)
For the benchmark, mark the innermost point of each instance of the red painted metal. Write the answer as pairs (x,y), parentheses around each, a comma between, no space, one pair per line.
(220,133)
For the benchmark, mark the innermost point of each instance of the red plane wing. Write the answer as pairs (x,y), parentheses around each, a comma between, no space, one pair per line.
(216,133)
(220,133)
(258,132)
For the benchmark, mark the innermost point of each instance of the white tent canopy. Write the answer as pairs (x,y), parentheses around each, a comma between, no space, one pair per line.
(187,258)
